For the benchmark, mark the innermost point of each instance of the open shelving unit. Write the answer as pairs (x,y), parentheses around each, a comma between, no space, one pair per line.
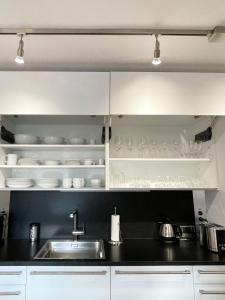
(152,170)
(65,126)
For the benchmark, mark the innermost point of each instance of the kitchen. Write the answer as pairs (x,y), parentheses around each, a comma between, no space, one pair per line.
(112,150)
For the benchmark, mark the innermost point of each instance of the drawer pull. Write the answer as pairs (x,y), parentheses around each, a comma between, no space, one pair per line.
(68,273)
(186,272)
(211,272)
(16,293)
(203,292)
(11,273)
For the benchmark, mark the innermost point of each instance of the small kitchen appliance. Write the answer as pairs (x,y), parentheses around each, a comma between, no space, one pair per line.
(215,238)
(168,232)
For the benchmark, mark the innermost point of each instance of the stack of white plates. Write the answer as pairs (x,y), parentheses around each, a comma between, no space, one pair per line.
(28,161)
(52,140)
(72,162)
(47,183)
(21,183)
(76,141)
(95,183)
(51,162)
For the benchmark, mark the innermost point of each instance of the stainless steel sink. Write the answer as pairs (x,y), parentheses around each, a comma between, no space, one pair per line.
(69,249)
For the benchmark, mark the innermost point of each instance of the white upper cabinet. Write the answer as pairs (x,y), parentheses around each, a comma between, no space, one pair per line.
(144,93)
(54,93)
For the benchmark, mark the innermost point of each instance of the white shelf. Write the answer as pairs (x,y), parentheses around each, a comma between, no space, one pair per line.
(52,167)
(87,189)
(50,147)
(165,189)
(178,160)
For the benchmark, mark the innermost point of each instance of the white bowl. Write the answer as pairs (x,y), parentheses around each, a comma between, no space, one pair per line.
(95,182)
(76,141)
(88,162)
(72,162)
(51,162)
(25,139)
(52,140)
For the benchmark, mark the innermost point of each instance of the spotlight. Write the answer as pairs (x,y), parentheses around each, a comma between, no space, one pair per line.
(156,59)
(20,52)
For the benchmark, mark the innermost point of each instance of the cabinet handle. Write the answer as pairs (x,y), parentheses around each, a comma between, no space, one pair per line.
(211,272)
(11,273)
(203,292)
(186,272)
(68,273)
(16,293)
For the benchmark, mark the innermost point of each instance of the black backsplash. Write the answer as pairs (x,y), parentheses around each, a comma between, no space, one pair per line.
(139,211)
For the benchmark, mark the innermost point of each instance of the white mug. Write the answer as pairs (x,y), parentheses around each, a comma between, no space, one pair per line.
(11,159)
(92,141)
(67,182)
(78,183)
(101,161)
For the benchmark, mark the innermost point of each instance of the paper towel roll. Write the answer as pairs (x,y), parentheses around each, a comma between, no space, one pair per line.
(115,228)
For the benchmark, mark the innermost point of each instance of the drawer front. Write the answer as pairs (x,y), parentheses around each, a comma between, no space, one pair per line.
(57,283)
(209,274)
(171,283)
(12,275)
(12,292)
(210,292)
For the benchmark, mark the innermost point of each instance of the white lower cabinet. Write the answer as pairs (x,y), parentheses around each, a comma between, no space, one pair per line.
(209,292)
(57,283)
(158,283)
(209,282)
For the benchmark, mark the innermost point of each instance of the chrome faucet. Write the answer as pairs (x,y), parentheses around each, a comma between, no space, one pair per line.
(76,231)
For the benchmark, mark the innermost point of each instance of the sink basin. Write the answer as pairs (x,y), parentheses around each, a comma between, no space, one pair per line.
(69,249)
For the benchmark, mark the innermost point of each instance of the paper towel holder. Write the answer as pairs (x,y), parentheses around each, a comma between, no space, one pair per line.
(116,243)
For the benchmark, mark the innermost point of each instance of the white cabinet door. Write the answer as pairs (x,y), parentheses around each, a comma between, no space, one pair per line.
(210,292)
(158,283)
(145,93)
(57,283)
(54,93)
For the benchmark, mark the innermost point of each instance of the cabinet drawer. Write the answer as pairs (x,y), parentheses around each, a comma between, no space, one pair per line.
(12,292)
(152,274)
(171,283)
(210,292)
(12,275)
(209,274)
(57,283)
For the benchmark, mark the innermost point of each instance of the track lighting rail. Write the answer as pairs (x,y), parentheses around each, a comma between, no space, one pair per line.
(111,31)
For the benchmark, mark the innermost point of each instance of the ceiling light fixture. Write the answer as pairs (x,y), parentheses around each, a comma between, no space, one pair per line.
(156,59)
(20,52)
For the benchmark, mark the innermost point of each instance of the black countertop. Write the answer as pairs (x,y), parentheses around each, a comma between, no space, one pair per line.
(143,252)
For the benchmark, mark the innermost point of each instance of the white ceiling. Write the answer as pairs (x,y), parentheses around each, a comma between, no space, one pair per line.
(113,52)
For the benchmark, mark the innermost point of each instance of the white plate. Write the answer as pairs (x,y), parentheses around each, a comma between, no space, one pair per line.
(21,186)
(47,186)
(52,140)
(76,141)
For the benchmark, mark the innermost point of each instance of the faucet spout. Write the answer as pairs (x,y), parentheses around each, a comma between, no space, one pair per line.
(76,231)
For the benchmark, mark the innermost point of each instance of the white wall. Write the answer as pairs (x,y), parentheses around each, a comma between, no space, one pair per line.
(215,201)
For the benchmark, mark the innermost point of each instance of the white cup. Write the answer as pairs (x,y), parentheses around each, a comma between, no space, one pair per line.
(11,159)
(101,161)
(92,141)
(67,182)
(78,183)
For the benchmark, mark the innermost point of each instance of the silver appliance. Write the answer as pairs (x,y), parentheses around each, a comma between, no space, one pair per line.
(215,238)
(169,232)
(188,232)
